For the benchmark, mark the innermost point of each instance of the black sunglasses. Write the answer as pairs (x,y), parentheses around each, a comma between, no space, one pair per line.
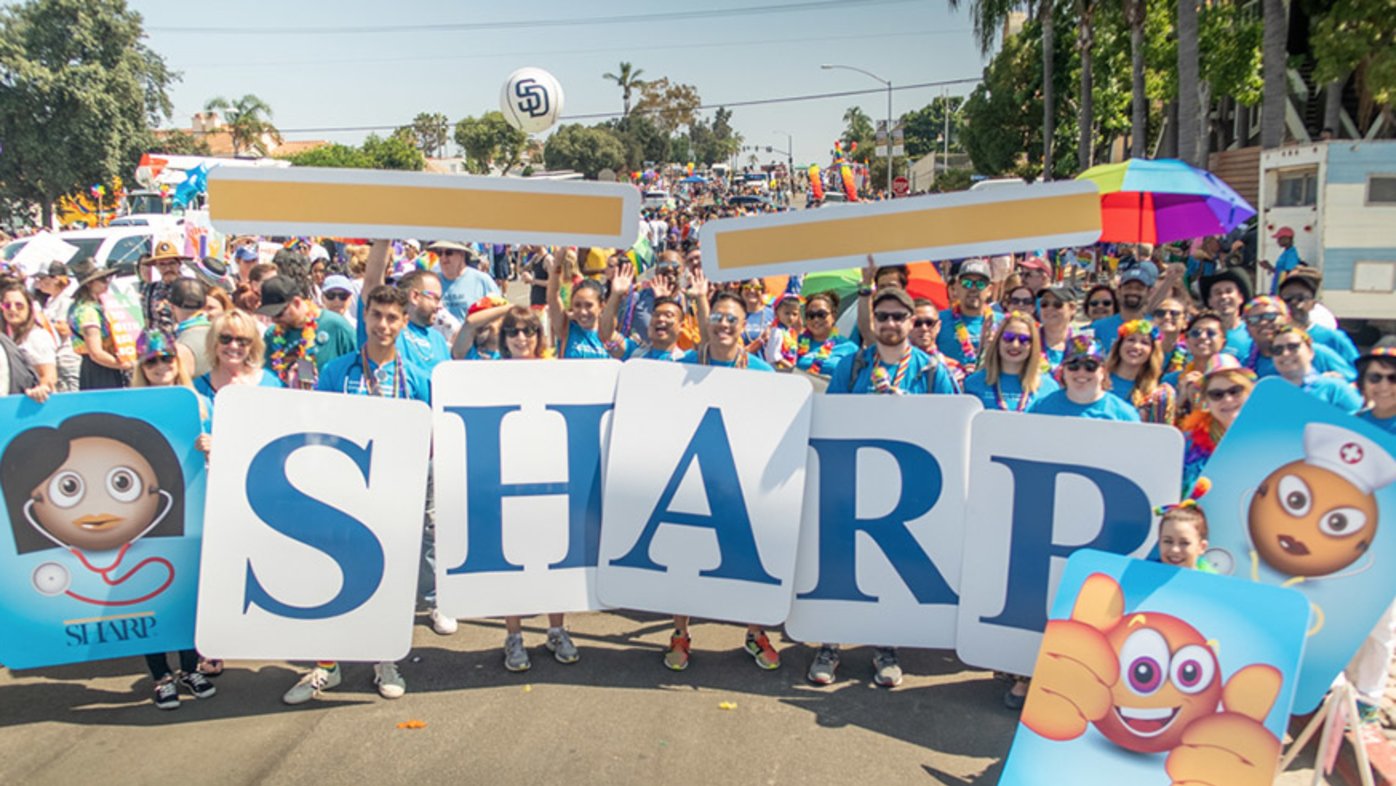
(1078,365)
(337,294)
(527,330)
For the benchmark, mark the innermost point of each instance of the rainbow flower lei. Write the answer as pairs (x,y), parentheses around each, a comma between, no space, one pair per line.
(283,352)
(967,349)
(821,354)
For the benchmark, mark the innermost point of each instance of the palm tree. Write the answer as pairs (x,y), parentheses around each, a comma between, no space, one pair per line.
(1274,69)
(989,17)
(1135,11)
(1189,107)
(1085,112)
(628,80)
(248,121)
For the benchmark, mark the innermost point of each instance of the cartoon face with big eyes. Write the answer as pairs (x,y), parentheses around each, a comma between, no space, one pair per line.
(105,495)
(1306,520)
(1168,679)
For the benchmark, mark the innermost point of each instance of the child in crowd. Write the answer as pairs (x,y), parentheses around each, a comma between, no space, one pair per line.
(1182,531)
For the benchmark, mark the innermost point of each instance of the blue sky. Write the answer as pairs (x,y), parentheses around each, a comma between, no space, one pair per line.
(296,56)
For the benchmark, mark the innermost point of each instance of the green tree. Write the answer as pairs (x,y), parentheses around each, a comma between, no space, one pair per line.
(178,142)
(248,122)
(489,139)
(643,140)
(669,106)
(715,141)
(430,131)
(924,129)
(79,94)
(586,150)
(1359,37)
(334,156)
(858,127)
(394,152)
(628,80)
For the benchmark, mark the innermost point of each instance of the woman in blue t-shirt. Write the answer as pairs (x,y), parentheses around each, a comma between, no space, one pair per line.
(235,349)
(574,326)
(1376,378)
(1012,377)
(1084,394)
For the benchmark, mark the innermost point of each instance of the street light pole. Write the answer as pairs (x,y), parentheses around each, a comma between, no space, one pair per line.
(790,162)
(888,82)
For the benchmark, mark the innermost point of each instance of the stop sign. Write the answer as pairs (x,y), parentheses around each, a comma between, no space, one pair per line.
(901,186)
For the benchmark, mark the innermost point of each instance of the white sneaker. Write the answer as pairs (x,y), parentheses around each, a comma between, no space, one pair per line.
(390,684)
(443,624)
(312,685)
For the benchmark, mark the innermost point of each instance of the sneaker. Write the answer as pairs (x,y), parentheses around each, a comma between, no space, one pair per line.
(166,694)
(443,624)
(676,659)
(760,649)
(822,668)
(315,682)
(886,671)
(390,684)
(515,656)
(198,685)
(560,644)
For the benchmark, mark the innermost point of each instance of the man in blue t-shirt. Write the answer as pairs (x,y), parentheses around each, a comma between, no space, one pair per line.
(1293,353)
(464,283)
(1299,290)
(1227,293)
(419,343)
(1288,261)
(891,364)
(1135,284)
(962,325)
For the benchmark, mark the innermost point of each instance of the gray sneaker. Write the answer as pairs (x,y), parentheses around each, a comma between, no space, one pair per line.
(515,656)
(822,668)
(560,644)
(317,681)
(887,672)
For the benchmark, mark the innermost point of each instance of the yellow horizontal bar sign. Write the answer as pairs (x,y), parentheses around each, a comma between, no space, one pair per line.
(1002,220)
(378,204)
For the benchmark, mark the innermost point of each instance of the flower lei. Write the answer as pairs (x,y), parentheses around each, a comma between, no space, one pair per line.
(967,348)
(821,354)
(1177,359)
(789,347)
(1198,426)
(284,352)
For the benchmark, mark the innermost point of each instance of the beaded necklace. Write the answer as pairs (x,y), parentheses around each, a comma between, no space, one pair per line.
(879,374)
(967,348)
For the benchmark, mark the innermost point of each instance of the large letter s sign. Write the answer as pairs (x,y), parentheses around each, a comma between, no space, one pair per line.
(344,539)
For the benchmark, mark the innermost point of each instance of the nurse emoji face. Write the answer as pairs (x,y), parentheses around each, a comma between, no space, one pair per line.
(95,483)
(1317,516)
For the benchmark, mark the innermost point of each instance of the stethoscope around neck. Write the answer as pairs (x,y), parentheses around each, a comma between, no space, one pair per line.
(53,579)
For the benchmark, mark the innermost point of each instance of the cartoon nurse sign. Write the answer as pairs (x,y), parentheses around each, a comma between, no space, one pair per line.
(93,486)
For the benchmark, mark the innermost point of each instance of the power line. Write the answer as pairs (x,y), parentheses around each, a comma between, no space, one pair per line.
(729,104)
(515,24)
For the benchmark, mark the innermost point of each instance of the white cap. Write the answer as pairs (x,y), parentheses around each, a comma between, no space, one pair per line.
(337,282)
(1361,461)
(318,253)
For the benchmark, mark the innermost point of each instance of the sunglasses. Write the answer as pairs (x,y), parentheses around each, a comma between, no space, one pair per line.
(1373,377)
(1297,300)
(925,322)
(1082,365)
(337,294)
(974,283)
(155,360)
(1262,319)
(1171,313)
(1016,338)
(1101,304)
(1054,304)
(891,316)
(723,319)
(527,330)
(1022,301)
(226,340)
(819,314)
(1213,394)
(1201,333)
(1286,348)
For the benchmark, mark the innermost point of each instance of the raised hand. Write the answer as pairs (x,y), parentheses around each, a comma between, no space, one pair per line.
(1232,746)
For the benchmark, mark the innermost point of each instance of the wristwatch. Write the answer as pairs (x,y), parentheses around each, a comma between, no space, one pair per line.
(864,291)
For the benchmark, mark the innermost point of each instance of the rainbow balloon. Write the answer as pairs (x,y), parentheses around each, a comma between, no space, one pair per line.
(816,187)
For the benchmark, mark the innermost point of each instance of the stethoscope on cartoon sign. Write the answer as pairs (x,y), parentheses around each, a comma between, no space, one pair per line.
(51,578)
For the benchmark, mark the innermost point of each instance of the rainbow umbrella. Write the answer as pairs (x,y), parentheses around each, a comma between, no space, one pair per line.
(1159,201)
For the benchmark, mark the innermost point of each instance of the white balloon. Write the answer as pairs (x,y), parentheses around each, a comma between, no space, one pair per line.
(531,100)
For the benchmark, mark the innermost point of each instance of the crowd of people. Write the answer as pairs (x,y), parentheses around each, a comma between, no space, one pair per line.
(1160,336)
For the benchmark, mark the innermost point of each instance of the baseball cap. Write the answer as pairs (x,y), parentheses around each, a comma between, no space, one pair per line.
(277,294)
(1082,347)
(152,343)
(337,282)
(894,293)
(1035,263)
(1283,232)
(1143,274)
(245,254)
(1063,292)
(974,267)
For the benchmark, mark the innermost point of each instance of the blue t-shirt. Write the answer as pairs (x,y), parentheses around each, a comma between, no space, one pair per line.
(422,346)
(1334,391)
(949,345)
(1124,388)
(1106,330)
(1386,424)
(1107,407)
(633,318)
(839,348)
(1010,388)
(1336,340)
(1289,260)
(1238,342)
(583,344)
(920,377)
(636,351)
(756,324)
(345,374)
(753,363)
(474,354)
(1325,361)
(465,290)
(204,385)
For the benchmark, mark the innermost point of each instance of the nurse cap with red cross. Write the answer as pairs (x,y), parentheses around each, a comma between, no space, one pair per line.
(1356,458)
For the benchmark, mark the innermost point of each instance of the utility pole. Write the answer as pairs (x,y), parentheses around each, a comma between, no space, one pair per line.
(888,82)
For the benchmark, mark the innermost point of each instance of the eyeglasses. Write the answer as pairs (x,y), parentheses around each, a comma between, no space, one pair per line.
(336,294)
(1286,348)
(528,330)
(1262,319)
(155,360)
(1203,333)
(819,314)
(17,305)
(241,341)
(720,318)
(1374,377)
(1025,302)
(974,283)
(925,322)
(1101,303)
(1091,366)
(1214,394)
(427,294)
(1171,313)
(1054,304)
(1016,338)
(891,316)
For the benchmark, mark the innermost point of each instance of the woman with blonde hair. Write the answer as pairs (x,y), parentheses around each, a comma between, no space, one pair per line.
(235,349)
(1226,385)
(1011,377)
(1135,371)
